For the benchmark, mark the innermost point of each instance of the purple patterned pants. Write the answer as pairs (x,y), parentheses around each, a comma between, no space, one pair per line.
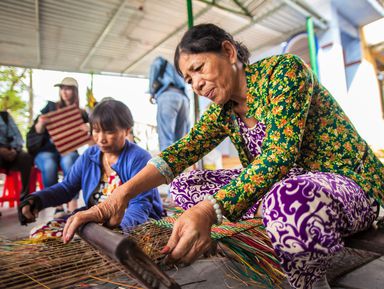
(306,215)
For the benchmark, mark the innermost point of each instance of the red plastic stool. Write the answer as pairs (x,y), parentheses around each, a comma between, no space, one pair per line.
(12,188)
(36,178)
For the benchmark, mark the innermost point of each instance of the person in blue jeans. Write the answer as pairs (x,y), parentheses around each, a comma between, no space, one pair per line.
(99,171)
(47,159)
(167,89)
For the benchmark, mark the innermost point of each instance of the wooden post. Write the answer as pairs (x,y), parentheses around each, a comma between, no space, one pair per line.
(30,101)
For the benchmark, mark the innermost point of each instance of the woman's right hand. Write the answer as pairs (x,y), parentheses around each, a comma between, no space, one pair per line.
(191,234)
(42,122)
(28,211)
(110,212)
(80,218)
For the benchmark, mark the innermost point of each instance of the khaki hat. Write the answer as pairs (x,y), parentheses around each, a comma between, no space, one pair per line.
(68,81)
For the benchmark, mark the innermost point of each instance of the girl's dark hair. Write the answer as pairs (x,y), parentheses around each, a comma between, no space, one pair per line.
(75,97)
(111,115)
(207,38)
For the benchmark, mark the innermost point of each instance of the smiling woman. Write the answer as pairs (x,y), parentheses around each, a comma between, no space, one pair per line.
(284,124)
(47,157)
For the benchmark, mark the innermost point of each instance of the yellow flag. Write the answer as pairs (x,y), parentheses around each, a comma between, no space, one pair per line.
(91,100)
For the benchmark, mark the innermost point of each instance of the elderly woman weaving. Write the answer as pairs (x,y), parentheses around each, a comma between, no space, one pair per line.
(316,178)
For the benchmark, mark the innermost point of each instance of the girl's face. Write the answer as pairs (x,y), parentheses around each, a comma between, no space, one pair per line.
(109,141)
(66,93)
(211,74)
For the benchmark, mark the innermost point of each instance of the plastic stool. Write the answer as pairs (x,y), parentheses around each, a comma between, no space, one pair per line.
(12,188)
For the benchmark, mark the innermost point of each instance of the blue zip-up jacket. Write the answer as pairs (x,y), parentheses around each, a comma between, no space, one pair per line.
(85,175)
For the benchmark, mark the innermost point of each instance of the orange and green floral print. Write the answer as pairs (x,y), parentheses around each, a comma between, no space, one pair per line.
(305,126)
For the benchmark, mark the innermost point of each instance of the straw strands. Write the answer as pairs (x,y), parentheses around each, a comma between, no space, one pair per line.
(51,264)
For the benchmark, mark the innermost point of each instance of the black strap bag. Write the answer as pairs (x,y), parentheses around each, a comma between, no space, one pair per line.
(156,85)
(34,141)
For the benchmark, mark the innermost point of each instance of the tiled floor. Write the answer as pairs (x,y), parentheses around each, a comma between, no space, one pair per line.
(369,276)
(10,227)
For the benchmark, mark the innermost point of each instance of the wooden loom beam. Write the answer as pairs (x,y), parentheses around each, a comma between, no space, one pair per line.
(126,252)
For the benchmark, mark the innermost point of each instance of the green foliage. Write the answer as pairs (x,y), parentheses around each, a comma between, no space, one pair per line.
(12,86)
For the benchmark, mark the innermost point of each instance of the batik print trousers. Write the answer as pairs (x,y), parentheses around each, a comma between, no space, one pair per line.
(306,215)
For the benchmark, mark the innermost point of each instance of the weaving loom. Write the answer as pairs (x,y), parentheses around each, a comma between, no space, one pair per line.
(50,264)
(64,127)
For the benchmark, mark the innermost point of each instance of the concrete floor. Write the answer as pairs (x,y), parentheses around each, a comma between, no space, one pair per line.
(211,273)
(10,227)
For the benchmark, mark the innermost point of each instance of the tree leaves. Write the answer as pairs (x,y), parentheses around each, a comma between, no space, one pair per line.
(12,86)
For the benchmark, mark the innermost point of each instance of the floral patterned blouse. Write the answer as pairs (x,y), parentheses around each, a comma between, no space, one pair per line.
(304,126)
(107,185)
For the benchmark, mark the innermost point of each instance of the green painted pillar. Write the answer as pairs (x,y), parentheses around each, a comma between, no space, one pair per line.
(200,163)
(312,45)
(190,13)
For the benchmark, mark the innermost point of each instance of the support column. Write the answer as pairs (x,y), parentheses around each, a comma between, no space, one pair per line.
(312,45)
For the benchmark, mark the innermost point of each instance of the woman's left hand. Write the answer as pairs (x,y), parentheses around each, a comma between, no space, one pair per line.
(191,235)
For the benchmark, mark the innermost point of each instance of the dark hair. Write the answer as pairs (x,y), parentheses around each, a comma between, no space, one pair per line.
(75,97)
(207,38)
(111,115)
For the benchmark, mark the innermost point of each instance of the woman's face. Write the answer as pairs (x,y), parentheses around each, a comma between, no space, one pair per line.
(66,93)
(211,74)
(109,141)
